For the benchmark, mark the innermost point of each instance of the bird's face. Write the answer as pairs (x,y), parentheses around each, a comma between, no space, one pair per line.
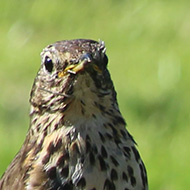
(69,68)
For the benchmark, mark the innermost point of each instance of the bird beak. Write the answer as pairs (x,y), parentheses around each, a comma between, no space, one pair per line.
(85,60)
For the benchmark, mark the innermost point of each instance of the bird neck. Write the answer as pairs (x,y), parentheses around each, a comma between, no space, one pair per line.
(72,111)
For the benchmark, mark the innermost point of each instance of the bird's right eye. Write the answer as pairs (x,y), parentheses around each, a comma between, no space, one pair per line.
(48,64)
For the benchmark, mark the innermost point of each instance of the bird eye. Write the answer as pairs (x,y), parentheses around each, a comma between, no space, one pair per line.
(48,64)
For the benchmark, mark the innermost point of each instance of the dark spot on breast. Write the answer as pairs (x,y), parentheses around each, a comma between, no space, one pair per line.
(51,173)
(127,151)
(101,137)
(133,181)
(94,148)
(143,174)
(81,183)
(38,148)
(82,102)
(62,120)
(131,137)
(61,161)
(88,146)
(114,161)
(88,138)
(34,121)
(63,109)
(110,137)
(137,156)
(119,120)
(101,107)
(124,176)
(82,110)
(114,130)
(82,159)
(45,133)
(46,126)
(103,152)
(123,133)
(66,155)
(58,145)
(38,127)
(50,148)
(92,158)
(65,171)
(130,170)
(108,185)
(117,141)
(46,158)
(67,186)
(114,175)
(102,163)
(56,126)
(108,113)
(94,116)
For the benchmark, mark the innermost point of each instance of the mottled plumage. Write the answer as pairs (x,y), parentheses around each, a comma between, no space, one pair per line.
(77,138)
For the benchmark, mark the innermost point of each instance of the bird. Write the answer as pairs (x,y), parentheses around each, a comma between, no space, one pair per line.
(77,139)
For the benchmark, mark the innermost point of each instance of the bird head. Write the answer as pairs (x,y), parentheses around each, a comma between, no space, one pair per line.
(72,69)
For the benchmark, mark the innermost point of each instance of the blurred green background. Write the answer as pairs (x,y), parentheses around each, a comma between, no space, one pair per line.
(148,43)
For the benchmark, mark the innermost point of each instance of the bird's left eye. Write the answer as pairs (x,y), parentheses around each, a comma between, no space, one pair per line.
(48,64)
(105,60)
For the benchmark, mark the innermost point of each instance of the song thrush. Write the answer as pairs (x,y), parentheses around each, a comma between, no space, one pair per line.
(77,138)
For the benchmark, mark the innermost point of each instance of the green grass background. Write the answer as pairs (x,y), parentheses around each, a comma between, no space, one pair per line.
(148,44)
